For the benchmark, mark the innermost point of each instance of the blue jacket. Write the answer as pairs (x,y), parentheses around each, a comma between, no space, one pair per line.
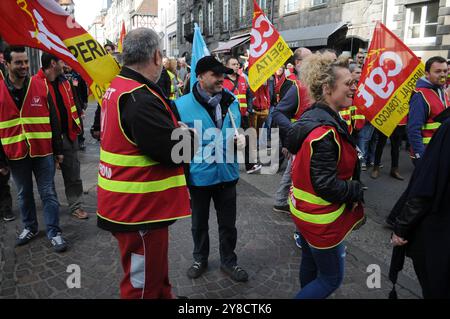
(209,166)
(417,117)
(285,110)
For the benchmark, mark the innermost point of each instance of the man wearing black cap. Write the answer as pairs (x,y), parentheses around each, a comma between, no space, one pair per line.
(211,175)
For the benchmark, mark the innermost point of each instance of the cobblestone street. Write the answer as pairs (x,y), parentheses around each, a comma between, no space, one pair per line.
(265,249)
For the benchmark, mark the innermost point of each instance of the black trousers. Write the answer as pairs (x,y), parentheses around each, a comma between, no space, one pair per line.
(5,195)
(224,198)
(396,140)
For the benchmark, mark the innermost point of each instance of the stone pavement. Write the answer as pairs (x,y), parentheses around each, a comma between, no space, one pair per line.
(265,249)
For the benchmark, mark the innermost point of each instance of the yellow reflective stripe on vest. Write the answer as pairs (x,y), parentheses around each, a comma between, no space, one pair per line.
(346,112)
(77,120)
(308,197)
(38,135)
(320,219)
(73,109)
(359,117)
(241,96)
(24,120)
(35,120)
(141,187)
(13,139)
(10,123)
(426,140)
(293,120)
(431,126)
(126,160)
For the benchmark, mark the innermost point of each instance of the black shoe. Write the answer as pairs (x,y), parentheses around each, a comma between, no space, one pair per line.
(235,272)
(8,217)
(197,269)
(82,146)
(282,209)
(25,236)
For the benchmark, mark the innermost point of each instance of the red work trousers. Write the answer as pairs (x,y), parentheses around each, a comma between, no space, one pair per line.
(145,264)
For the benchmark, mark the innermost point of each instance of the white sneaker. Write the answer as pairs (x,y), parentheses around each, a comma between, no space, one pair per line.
(255,168)
(59,244)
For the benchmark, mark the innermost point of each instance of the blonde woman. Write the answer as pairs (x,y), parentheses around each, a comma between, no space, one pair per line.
(326,196)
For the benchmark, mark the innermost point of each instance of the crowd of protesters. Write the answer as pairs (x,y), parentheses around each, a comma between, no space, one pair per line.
(324,138)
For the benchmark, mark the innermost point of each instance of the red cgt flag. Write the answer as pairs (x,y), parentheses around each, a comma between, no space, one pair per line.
(268,51)
(122,36)
(390,73)
(44,25)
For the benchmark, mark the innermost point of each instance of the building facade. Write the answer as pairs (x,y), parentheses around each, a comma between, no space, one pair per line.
(168,20)
(97,28)
(423,25)
(345,25)
(225,24)
(133,13)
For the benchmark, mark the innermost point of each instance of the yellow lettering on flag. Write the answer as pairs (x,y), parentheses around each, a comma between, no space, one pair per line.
(268,51)
(268,64)
(95,60)
(398,105)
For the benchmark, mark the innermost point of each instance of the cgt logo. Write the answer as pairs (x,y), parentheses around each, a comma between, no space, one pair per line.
(36,101)
(378,83)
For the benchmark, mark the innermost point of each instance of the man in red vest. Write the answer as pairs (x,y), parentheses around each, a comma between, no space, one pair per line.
(30,138)
(61,92)
(288,110)
(238,85)
(141,189)
(427,101)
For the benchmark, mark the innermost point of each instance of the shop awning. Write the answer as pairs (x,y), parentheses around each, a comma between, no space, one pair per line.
(225,47)
(312,36)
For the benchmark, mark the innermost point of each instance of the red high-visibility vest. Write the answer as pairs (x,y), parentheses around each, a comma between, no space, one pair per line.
(74,125)
(133,189)
(346,114)
(435,106)
(304,100)
(358,119)
(323,224)
(240,90)
(28,131)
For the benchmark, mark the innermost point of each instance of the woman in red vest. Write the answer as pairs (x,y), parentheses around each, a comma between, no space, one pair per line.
(326,194)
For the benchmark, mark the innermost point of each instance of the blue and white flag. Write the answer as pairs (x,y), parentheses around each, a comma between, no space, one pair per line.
(199,50)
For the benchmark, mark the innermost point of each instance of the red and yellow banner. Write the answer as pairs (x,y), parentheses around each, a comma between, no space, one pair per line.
(44,25)
(122,36)
(390,73)
(268,51)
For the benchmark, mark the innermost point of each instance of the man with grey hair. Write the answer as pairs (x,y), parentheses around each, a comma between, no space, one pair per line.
(138,179)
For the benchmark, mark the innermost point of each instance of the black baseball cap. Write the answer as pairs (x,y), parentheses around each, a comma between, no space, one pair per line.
(210,63)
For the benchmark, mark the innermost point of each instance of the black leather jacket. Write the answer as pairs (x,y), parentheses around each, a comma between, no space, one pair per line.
(324,159)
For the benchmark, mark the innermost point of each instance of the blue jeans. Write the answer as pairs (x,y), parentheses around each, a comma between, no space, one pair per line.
(321,271)
(365,143)
(44,173)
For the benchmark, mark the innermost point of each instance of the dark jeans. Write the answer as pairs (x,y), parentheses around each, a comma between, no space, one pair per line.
(249,162)
(43,169)
(70,169)
(5,195)
(396,140)
(321,271)
(224,198)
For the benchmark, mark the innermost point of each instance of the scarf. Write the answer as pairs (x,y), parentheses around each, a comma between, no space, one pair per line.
(213,103)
